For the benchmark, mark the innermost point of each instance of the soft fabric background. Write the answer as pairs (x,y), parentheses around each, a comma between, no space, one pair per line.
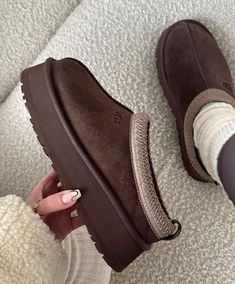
(25,28)
(117,41)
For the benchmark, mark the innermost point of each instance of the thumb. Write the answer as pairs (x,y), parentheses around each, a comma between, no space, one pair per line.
(59,201)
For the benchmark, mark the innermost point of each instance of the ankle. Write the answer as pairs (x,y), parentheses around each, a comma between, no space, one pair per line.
(226,167)
(213,127)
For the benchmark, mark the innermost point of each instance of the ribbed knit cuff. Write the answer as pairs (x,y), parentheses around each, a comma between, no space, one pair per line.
(213,127)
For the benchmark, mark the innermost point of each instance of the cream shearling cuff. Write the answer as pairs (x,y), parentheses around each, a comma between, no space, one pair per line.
(29,252)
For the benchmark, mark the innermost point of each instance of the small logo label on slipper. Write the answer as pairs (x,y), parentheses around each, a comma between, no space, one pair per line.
(117,118)
(227,86)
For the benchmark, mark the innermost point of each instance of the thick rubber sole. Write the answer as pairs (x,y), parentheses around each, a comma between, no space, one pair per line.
(169,96)
(110,229)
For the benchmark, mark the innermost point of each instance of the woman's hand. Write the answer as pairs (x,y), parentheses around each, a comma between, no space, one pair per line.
(56,205)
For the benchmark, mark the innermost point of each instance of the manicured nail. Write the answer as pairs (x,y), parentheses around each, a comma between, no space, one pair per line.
(71,196)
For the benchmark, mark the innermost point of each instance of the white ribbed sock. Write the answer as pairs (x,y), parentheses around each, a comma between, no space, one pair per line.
(213,126)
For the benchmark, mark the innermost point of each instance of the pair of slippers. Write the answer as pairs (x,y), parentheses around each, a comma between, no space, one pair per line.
(101,147)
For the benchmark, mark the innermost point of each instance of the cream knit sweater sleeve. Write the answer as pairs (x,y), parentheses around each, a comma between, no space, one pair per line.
(29,252)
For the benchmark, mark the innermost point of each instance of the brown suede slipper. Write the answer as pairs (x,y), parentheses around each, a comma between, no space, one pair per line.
(193,72)
(101,147)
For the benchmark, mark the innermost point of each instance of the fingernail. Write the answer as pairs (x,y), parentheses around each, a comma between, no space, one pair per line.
(71,196)
(59,184)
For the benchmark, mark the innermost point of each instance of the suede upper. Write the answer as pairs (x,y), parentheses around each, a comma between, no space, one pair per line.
(193,62)
(102,126)
(192,72)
